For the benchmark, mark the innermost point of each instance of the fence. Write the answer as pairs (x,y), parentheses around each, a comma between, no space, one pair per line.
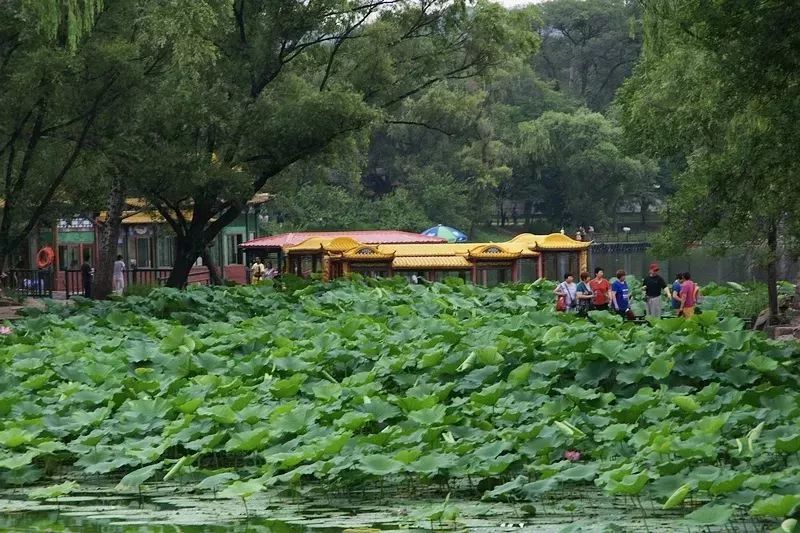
(31,283)
(73,279)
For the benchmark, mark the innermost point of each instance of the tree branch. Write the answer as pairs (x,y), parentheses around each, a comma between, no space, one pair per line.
(421,124)
(45,200)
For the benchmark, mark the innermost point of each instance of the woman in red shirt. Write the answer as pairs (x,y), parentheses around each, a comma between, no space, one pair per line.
(600,287)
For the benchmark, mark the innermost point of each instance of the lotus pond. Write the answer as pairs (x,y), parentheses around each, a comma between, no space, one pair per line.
(378,404)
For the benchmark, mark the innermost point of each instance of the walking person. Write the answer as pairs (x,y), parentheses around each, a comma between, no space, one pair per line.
(257,271)
(653,286)
(86,277)
(600,288)
(567,290)
(119,276)
(676,292)
(584,295)
(620,296)
(688,296)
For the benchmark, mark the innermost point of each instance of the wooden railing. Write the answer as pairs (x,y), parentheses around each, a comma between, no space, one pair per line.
(73,279)
(32,283)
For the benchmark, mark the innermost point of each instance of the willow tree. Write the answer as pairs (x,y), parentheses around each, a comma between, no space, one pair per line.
(57,79)
(268,84)
(718,87)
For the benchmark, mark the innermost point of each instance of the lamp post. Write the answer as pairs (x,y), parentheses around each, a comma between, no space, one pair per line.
(627,232)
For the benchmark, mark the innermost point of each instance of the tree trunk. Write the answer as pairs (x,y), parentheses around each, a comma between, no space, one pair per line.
(644,205)
(104,275)
(185,257)
(796,303)
(213,272)
(772,271)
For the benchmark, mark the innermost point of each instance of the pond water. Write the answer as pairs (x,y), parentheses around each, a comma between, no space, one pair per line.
(705,267)
(167,508)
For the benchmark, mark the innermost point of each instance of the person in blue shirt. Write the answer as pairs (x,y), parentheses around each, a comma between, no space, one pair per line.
(620,296)
(676,291)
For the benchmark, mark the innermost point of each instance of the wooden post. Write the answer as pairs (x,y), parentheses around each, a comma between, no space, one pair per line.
(540,265)
(55,249)
(583,260)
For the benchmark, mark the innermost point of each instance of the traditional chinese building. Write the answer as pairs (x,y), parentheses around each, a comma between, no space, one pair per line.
(146,242)
(524,258)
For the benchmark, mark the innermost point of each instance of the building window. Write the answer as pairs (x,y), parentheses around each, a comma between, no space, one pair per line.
(71,256)
(489,277)
(142,252)
(233,254)
(165,253)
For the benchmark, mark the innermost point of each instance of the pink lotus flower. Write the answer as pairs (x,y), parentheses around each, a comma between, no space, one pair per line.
(572,455)
(6,330)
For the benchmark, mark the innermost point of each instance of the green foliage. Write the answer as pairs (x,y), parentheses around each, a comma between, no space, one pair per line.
(53,492)
(589,47)
(348,382)
(713,91)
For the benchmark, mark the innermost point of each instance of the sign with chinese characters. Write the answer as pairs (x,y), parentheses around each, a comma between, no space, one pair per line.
(75,224)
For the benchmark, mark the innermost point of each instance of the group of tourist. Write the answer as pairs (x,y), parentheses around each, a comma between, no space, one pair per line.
(598,294)
(259,271)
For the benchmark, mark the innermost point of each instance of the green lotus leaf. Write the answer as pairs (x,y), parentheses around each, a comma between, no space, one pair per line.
(615,432)
(15,437)
(223,414)
(790,444)
(408,456)
(777,506)
(629,485)
(491,450)
(354,420)
(137,478)
(687,403)
(216,481)
(677,497)
(520,375)
(242,489)
(429,417)
(710,515)
(433,463)
(53,492)
(660,368)
(380,465)
(381,410)
(286,388)
(248,441)
(539,487)
(728,483)
(585,472)
(18,460)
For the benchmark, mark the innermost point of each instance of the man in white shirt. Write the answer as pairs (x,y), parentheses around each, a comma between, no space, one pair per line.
(119,275)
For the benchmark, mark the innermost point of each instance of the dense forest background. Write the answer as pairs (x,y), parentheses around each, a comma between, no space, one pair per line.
(534,144)
(403,114)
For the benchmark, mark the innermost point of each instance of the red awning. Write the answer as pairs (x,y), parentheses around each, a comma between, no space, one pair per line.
(364,237)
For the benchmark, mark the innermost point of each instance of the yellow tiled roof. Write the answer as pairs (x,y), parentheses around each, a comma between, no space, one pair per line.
(367,253)
(455,262)
(493,251)
(341,244)
(524,245)
(314,244)
(557,241)
(553,241)
(427,250)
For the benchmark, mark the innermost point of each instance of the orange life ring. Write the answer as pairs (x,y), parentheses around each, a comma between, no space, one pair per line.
(45,257)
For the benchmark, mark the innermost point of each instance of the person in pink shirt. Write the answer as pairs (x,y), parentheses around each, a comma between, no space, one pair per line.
(688,296)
